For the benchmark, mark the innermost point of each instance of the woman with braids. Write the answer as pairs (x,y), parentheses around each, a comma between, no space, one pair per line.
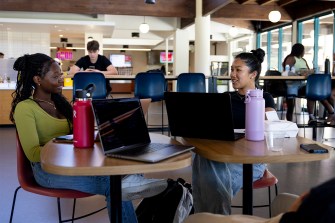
(215,183)
(40,113)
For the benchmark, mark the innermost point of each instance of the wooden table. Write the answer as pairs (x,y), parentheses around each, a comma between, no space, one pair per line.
(250,152)
(286,78)
(64,159)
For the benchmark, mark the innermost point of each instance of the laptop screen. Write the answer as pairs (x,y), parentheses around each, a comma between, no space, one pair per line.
(121,124)
(200,115)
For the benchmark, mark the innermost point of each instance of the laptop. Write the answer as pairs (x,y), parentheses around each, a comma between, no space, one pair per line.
(201,115)
(124,134)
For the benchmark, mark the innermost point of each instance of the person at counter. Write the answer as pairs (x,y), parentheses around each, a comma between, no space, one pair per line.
(297,88)
(93,62)
(215,183)
(38,104)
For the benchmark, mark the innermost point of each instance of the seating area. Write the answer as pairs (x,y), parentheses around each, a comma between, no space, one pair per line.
(285,173)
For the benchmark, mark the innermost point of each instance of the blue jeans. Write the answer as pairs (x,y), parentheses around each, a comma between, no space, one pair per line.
(215,184)
(89,184)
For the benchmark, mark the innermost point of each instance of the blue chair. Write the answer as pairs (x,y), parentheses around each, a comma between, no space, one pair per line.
(191,82)
(318,87)
(82,79)
(151,85)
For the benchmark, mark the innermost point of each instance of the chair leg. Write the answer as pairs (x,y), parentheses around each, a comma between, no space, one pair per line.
(59,211)
(269,197)
(13,204)
(74,208)
(162,117)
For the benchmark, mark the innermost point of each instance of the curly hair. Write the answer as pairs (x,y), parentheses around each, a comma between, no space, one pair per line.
(29,66)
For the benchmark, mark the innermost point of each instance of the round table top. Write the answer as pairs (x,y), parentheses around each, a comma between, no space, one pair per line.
(64,159)
(244,151)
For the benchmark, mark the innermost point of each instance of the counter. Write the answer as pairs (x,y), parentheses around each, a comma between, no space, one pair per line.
(6,100)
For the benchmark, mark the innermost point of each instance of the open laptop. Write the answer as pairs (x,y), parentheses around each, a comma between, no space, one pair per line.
(201,115)
(124,134)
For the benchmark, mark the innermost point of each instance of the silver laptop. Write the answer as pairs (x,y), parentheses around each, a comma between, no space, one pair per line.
(124,134)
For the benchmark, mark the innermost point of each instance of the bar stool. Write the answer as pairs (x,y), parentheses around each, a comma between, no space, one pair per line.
(277,88)
(191,82)
(151,85)
(267,180)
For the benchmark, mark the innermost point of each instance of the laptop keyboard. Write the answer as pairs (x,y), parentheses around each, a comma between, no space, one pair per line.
(152,147)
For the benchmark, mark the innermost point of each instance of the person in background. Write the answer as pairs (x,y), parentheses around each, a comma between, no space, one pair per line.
(2,55)
(215,183)
(296,88)
(93,62)
(38,104)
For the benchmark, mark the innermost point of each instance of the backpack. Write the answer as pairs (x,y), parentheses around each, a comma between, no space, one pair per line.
(173,205)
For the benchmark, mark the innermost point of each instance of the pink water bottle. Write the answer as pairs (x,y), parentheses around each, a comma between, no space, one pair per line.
(254,115)
(83,120)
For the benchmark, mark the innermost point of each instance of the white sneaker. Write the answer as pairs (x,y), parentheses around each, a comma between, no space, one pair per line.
(136,186)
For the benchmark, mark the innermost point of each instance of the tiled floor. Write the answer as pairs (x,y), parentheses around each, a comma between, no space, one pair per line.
(293,178)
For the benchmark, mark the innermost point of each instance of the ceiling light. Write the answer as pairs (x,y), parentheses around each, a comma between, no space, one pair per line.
(274,16)
(233,31)
(144,27)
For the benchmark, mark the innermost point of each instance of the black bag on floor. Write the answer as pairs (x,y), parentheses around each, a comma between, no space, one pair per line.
(173,205)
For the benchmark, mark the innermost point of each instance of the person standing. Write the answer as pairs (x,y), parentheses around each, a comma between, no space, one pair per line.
(215,183)
(296,88)
(94,62)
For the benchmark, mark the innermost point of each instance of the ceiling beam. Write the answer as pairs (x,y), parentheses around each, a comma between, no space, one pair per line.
(264,2)
(250,12)
(169,8)
(242,1)
(210,6)
(282,3)
(307,10)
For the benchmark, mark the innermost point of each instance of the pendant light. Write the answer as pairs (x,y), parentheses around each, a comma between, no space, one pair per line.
(144,27)
(274,15)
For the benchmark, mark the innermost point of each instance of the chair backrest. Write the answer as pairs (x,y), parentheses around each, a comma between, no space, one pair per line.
(24,172)
(191,82)
(82,79)
(276,88)
(318,86)
(150,85)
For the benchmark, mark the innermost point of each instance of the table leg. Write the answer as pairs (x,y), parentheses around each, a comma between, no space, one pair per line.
(247,189)
(115,199)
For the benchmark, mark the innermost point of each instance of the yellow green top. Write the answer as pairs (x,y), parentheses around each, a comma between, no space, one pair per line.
(36,127)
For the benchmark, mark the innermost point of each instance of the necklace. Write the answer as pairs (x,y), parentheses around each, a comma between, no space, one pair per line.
(48,102)
(242,97)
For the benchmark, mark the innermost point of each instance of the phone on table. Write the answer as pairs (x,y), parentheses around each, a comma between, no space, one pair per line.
(313,148)
(64,139)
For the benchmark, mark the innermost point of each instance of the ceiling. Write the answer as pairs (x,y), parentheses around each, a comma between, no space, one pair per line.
(117,19)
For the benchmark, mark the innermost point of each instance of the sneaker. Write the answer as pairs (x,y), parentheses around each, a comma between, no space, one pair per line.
(312,121)
(136,186)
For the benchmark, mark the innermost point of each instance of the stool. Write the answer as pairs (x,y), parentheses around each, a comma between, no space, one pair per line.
(267,180)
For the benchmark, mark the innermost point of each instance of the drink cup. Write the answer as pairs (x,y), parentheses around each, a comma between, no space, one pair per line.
(275,140)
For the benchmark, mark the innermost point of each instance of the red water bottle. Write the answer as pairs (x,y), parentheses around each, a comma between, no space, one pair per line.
(83,120)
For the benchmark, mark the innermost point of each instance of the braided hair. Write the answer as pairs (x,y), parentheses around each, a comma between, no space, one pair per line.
(253,60)
(29,66)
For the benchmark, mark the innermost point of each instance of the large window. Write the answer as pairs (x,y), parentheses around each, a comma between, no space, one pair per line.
(307,30)
(277,45)
(317,37)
